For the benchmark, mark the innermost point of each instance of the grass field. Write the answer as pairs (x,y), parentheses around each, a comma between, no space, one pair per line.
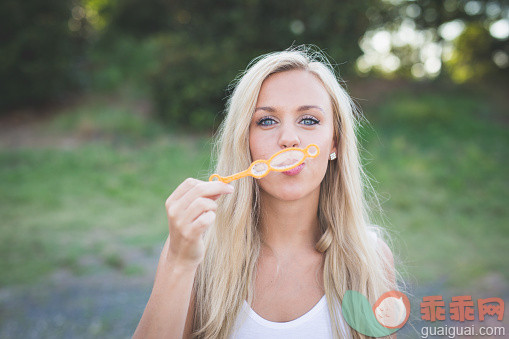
(441,161)
(94,204)
(88,193)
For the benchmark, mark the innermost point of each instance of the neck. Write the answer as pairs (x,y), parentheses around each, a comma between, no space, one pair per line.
(290,227)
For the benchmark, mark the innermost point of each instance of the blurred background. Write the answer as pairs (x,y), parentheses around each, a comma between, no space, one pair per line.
(106,106)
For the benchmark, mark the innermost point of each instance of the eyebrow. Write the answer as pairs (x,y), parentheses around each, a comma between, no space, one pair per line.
(300,109)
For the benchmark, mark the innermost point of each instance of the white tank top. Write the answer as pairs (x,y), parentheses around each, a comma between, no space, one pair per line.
(315,323)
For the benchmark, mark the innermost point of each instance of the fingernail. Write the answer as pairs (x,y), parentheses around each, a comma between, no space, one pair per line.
(230,187)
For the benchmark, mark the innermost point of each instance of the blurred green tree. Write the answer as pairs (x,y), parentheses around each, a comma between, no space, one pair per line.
(465,40)
(203,45)
(471,58)
(38,51)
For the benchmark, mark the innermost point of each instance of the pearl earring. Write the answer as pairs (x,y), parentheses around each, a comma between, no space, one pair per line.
(333,156)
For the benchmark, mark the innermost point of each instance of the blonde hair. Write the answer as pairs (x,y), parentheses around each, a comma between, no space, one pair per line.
(353,261)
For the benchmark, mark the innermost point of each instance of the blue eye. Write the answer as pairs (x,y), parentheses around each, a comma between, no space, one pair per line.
(261,122)
(311,121)
(267,121)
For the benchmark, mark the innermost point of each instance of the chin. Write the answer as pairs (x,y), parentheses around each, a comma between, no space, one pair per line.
(291,193)
(290,196)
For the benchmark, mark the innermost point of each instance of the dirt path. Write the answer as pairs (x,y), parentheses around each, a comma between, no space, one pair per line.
(64,306)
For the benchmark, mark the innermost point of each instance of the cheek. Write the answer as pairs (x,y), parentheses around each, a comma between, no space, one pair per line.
(320,165)
(253,144)
(258,146)
(323,157)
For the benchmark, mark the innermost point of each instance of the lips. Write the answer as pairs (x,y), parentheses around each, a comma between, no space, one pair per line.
(295,170)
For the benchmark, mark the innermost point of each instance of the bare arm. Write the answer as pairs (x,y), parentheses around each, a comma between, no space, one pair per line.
(191,210)
(169,304)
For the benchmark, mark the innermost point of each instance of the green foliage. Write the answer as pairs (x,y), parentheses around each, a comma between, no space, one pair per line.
(37,51)
(472,57)
(474,52)
(121,61)
(203,46)
(189,85)
(131,18)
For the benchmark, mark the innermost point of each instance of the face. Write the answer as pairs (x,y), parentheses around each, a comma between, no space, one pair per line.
(293,110)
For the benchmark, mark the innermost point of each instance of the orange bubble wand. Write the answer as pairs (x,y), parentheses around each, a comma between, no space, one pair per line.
(281,161)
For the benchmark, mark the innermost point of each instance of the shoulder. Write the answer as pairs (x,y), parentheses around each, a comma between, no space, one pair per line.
(385,250)
(385,253)
(390,270)
(380,244)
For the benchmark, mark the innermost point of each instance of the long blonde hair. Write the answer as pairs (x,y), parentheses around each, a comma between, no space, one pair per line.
(353,261)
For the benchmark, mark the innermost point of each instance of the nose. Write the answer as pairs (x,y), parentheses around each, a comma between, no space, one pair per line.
(288,136)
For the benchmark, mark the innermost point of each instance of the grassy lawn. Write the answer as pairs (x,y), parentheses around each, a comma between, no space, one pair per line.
(441,165)
(439,160)
(95,205)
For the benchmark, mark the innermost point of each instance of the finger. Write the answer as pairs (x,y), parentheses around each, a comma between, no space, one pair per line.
(215,197)
(182,189)
(202,223)
(204,189)
(199,206)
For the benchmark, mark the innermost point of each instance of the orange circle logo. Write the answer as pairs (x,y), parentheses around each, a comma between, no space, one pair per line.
(392,309)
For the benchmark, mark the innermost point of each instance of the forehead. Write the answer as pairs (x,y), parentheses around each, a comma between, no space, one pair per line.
(294,88)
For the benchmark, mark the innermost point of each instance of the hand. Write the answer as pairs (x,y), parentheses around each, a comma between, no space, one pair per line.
(191,210)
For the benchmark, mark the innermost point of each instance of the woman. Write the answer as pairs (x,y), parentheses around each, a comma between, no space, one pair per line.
(272,257)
